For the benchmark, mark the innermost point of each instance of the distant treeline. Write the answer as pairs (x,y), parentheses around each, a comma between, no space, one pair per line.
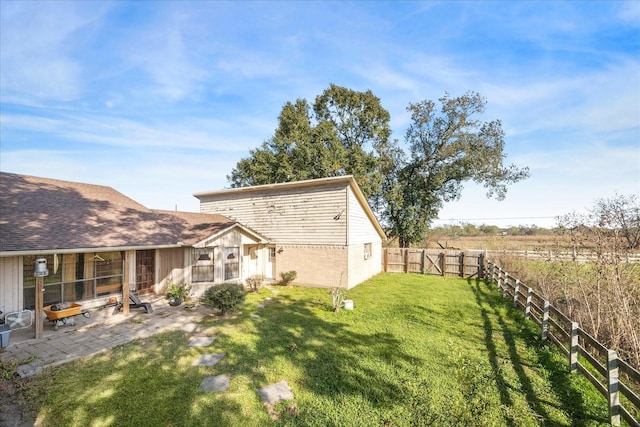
(470,230)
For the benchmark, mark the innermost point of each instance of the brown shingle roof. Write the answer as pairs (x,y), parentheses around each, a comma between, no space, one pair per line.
(46,214)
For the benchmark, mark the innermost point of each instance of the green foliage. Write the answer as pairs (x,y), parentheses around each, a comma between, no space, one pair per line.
(254,282)
(447,148)
(8,369)
(225,297)
(287,277)
(345,132)
(180,291)
(470,230)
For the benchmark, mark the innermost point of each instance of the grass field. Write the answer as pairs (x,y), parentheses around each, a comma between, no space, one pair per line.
(415,351)
(541,243)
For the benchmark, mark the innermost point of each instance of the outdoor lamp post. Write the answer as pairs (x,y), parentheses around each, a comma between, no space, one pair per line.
(39,271)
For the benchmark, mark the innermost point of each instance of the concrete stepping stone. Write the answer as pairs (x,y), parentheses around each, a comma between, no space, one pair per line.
(260,305)
(201,341)
(215,384)
(208,359)
(275,392)
(189,327)
(255,316)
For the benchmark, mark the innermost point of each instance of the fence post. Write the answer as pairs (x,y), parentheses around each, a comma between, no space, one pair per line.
(613,387)
(515,293)
(462,264)
(499,277)
(386,259)
(545,320)
(527,309)
(506,285)
(493,273)
(424,261)
(573,350)
(406,260)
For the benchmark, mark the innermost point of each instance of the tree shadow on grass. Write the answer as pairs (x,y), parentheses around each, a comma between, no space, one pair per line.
(142,383)
(152,382)
(326,357)
(572,400)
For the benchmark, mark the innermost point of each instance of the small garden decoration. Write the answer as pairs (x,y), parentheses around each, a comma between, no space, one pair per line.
(178,293)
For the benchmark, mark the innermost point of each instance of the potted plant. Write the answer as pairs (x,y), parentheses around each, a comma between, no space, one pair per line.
(178,293)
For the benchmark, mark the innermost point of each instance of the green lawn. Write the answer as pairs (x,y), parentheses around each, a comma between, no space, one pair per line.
(417,350)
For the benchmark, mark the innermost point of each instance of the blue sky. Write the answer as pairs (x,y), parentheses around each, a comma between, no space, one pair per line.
(160,100)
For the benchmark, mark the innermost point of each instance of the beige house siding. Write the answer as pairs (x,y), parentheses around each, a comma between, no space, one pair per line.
(293,215)
(170,266)
(10,284)
(324,266)
(319,228)
(360,228)
(361,269)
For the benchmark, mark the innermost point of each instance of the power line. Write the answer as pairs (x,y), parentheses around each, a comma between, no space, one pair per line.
(496,218)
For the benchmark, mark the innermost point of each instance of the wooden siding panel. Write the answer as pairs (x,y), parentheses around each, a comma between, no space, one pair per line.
(10,284)
(361,230)
(293,215)
(170,266)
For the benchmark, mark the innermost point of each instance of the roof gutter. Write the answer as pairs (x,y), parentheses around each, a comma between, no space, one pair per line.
(85,250)
(292,184)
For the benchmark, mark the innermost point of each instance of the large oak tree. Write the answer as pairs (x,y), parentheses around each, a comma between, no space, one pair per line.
(447,147)
(347,132)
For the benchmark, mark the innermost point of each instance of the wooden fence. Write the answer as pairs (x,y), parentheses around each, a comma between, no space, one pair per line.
(433,261)
(618,382)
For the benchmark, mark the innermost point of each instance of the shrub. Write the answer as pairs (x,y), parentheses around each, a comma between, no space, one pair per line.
(254,282)
(288,277)
(178,291)
(226,297)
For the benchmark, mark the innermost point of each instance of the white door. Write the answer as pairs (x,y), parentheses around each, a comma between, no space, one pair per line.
(270,263)
(253,261)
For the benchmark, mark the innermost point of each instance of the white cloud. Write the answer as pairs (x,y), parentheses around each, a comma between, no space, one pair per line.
(166,58)
(157,179)
(189,87)
(58,164)
(37,48)
(190,133)
(629,12)
(598,101)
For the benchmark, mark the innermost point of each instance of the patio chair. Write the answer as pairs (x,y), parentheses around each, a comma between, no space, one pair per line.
(134,302)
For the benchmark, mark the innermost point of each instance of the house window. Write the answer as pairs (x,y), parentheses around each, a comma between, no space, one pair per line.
(74,277)
(367,250)
(272,254)
(231,263)
(202,265)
